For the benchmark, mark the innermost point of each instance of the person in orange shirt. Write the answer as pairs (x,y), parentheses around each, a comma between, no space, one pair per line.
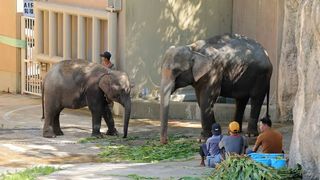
(270,140)
(106,60)
(106,56)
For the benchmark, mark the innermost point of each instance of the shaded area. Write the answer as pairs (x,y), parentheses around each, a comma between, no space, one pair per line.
(21,143)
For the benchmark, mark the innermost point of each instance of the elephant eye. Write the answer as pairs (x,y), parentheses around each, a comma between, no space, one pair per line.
(115,96)
(175,71)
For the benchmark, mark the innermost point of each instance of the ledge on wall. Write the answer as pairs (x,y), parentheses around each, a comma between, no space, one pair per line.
(150,109)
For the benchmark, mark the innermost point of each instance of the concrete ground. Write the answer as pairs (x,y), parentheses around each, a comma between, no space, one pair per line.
(22,145)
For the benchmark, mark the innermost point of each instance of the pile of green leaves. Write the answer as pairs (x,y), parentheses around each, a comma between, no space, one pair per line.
(138,177)
(291,173)
(243,167)
(150,150)
(108,140)
(30,173)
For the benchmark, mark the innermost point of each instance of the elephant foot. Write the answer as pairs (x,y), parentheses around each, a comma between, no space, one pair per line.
(49,135)
(252,130)
(240,130)
(48,132)
(202,139)
(204,136)
(252,133)
(59,133)
(97,135)
(163,140)
(112,132)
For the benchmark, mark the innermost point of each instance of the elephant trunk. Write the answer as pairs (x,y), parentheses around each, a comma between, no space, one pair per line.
(165,92)
(126,116)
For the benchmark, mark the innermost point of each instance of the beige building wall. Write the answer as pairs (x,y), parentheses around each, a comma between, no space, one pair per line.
(146,28)
(95,4)
(262,20)
(10,56)
(152,26)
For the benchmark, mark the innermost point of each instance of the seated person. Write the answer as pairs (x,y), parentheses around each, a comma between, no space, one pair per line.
(270,140)
(235,143)
(211,148)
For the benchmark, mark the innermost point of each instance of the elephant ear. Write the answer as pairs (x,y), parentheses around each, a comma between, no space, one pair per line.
(202,65)
(104,83)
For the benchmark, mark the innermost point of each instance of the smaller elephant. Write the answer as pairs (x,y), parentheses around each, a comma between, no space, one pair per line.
(78,83)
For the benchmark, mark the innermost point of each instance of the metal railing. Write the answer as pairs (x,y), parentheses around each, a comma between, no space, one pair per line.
(60,32)
(31,78)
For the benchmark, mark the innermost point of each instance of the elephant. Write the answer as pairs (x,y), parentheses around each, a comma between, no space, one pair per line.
(228,65)
(78,83)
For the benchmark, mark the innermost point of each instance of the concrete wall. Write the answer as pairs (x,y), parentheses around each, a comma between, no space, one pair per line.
(146,28)
(153,26)
(262,20)
(10,56)
(305,142)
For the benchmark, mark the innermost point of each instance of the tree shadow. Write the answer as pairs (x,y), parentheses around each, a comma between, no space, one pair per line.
(177,23)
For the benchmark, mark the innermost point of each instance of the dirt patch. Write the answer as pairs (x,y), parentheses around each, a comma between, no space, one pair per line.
(18,160)
(21,143)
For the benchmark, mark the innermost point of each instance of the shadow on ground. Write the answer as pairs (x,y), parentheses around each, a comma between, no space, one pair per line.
(21,143)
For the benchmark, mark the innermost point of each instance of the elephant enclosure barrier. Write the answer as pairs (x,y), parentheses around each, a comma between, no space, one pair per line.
(30,70)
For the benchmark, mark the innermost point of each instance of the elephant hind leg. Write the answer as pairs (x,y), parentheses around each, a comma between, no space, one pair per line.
(257,96)
(256,104)
(50,125)
(48,131)
(56,124)
(240,108)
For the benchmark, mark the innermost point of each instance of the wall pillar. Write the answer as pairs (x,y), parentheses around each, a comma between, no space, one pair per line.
(95,40)
(52,34)
(38,31)
(81,38)
(112,36)
(66,36)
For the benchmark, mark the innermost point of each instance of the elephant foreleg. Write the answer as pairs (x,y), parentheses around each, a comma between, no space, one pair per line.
(208,120)
(207,115)
(240,108)
(96,123)
(107,116)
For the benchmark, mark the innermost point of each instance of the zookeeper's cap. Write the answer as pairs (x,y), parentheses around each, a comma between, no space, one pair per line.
(106,55)
(216,129)
(234,127)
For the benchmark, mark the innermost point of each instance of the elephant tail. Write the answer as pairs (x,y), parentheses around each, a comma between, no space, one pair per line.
(42,99)
(268,92)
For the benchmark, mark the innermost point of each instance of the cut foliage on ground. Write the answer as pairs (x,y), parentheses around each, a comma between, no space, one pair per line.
(135,149)
(243,167)
(138,177)
(30,173)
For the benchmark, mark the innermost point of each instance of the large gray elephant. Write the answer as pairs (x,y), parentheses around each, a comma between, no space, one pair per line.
(78,83)
(228,65)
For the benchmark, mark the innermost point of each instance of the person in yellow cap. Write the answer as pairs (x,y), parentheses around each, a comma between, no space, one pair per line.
(234,143)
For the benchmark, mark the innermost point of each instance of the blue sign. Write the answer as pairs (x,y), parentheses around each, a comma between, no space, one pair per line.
(28,8)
